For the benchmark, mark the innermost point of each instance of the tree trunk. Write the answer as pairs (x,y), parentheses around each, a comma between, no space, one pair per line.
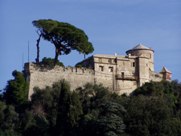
(38,49)
(56,56)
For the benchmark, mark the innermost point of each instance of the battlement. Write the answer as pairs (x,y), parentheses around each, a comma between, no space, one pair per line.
(71,70)
(42,76)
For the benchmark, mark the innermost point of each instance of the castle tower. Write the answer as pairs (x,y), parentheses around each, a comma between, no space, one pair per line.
(166,74)
(144,62)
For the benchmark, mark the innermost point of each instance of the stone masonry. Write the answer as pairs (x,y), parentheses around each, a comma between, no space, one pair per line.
(121,74)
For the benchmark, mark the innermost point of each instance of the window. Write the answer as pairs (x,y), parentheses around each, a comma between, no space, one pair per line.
(115,60)
(110,69)
(122,74)
(101,68)
(133,64)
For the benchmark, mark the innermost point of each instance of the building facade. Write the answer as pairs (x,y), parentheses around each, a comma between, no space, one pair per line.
(121,74)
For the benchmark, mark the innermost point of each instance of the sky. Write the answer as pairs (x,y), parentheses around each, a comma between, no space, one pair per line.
(113,26)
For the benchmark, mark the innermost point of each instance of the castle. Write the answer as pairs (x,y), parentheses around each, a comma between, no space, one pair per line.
(121,74)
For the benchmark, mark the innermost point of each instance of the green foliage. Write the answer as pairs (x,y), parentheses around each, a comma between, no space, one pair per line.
(92,110)
(157,88)
(152,110)
(103,115)
(146,116)
(8,120)
(16,91)
(54,110)
(49,62)
(41,118)
(69,110)
(110,119)
(65,37)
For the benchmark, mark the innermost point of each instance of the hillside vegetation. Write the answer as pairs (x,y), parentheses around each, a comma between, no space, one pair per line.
(92,110)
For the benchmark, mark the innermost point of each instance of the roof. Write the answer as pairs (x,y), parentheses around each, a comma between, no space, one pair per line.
(165,70)
(140,46)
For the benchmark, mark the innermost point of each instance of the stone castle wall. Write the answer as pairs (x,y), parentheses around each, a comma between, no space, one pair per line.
(39,76)
(42,77)
(156,77)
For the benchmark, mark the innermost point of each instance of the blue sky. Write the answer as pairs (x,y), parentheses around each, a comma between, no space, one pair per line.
(113,26)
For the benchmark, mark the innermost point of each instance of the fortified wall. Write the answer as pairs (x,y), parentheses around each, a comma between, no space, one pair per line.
(121,74)
(39,76)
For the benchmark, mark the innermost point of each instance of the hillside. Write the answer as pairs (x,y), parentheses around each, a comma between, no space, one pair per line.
(153,109)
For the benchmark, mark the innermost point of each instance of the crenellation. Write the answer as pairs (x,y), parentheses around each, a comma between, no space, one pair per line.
(75,70)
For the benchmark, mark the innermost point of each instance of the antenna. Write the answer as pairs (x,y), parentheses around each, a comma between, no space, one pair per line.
(28,52)
(22,60)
